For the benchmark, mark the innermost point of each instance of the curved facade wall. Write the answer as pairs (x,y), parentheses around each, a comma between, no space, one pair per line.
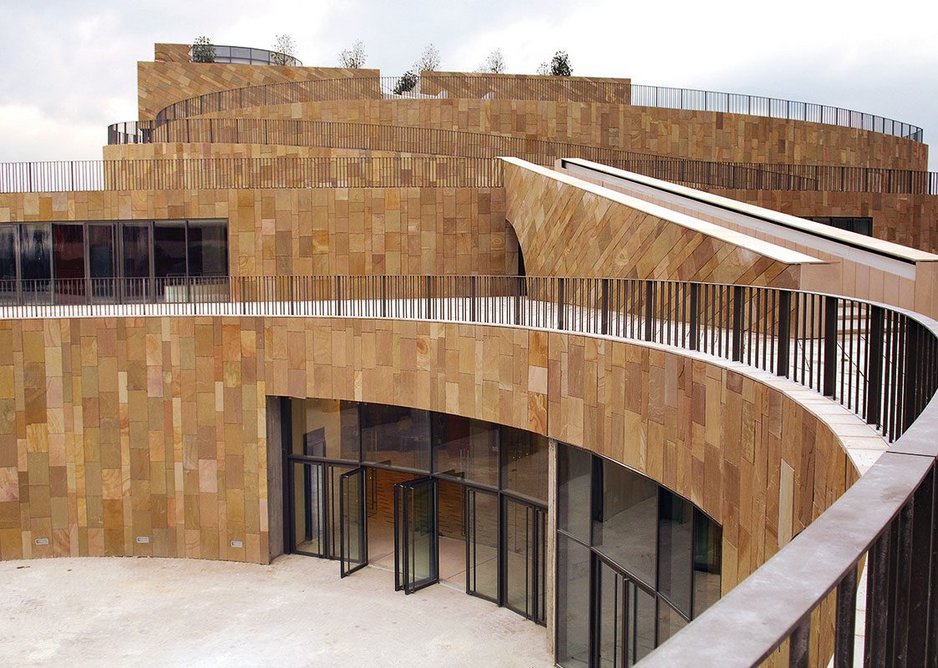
(119,428)
(689,134)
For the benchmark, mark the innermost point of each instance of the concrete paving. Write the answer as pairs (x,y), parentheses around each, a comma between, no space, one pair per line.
(295,612)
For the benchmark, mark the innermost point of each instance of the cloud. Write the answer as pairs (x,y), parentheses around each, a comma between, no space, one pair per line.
(72,63)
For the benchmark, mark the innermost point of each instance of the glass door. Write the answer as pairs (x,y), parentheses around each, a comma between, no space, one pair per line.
(310,525)
(482,544)
(416,544)
(353,525)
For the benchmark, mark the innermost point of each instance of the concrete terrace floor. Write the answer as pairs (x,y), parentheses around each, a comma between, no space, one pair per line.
(294,612)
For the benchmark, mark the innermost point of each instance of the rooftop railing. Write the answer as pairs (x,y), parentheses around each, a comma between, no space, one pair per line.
(472,86)
(224,173)
(879,362)
(459,143)
(247,55)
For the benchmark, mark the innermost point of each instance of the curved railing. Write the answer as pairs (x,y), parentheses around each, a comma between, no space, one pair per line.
(224,173)
(461,143)
(472,86)
(247,55)
(879,362)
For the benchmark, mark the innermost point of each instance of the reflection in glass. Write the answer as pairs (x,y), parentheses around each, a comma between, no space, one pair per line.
(7,261)
(325,428)
(208,248)
(574,468)
(465,448)
(136,260)
(68,261)
(482,536)
(169,249)
(353,539)
(641,628)
(36,257)
(101,259)
(669,621)
(610,615)
(573,602)
(524,463)
(708,556)
(675,550)
(396,436)
(309,509)
(625,527)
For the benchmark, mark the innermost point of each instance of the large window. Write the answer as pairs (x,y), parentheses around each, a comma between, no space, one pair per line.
(78,261)
(641,559)
(491,481)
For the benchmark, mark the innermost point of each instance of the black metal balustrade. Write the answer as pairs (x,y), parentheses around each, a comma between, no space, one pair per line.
(520,87)
(879,362)
(222,173)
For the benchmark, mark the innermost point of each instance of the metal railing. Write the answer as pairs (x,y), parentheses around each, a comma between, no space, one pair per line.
(222,173)
(473,86)
(769,107)
(879,362)
(459,143)
(250,56)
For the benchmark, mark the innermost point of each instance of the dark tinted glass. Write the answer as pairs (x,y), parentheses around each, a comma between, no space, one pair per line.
(708,555)
(610,615)
(7,260)
(573,602)
(465,448)
(169,249)
(68,252)
(101,251)
(136,251)
(675,550)
(641,627)
(669,621)
(574,468)
(396,436)
(625,526)
(208,249)
(524,463)
(35,252)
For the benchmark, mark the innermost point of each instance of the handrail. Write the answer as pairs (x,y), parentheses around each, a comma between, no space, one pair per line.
(460,143)
(877,361)
(482,86)
(220,173)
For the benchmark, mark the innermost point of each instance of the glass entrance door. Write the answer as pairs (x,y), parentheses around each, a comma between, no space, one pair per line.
(353,525)
(416,544)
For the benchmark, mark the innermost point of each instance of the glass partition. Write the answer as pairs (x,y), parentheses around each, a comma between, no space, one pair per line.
(524,463)
(7,262)
(396,436)
(35,259)
(464,448)
(68,261)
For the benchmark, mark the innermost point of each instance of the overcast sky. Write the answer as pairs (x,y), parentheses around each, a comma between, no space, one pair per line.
(68,67)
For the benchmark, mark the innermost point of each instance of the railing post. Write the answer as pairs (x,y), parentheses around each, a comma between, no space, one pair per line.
(472,298)
(518,284)
(649,310)
(604,305)
(384,296)
(338,295)
(845,625)
(737,323)
(799,644)
(877,600)
(429,297)
(874,372)
(830,345)
(560,303)
(694,316)
(783,335)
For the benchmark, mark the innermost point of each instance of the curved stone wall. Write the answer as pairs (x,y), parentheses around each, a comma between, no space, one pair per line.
(117,428)
(688,134)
